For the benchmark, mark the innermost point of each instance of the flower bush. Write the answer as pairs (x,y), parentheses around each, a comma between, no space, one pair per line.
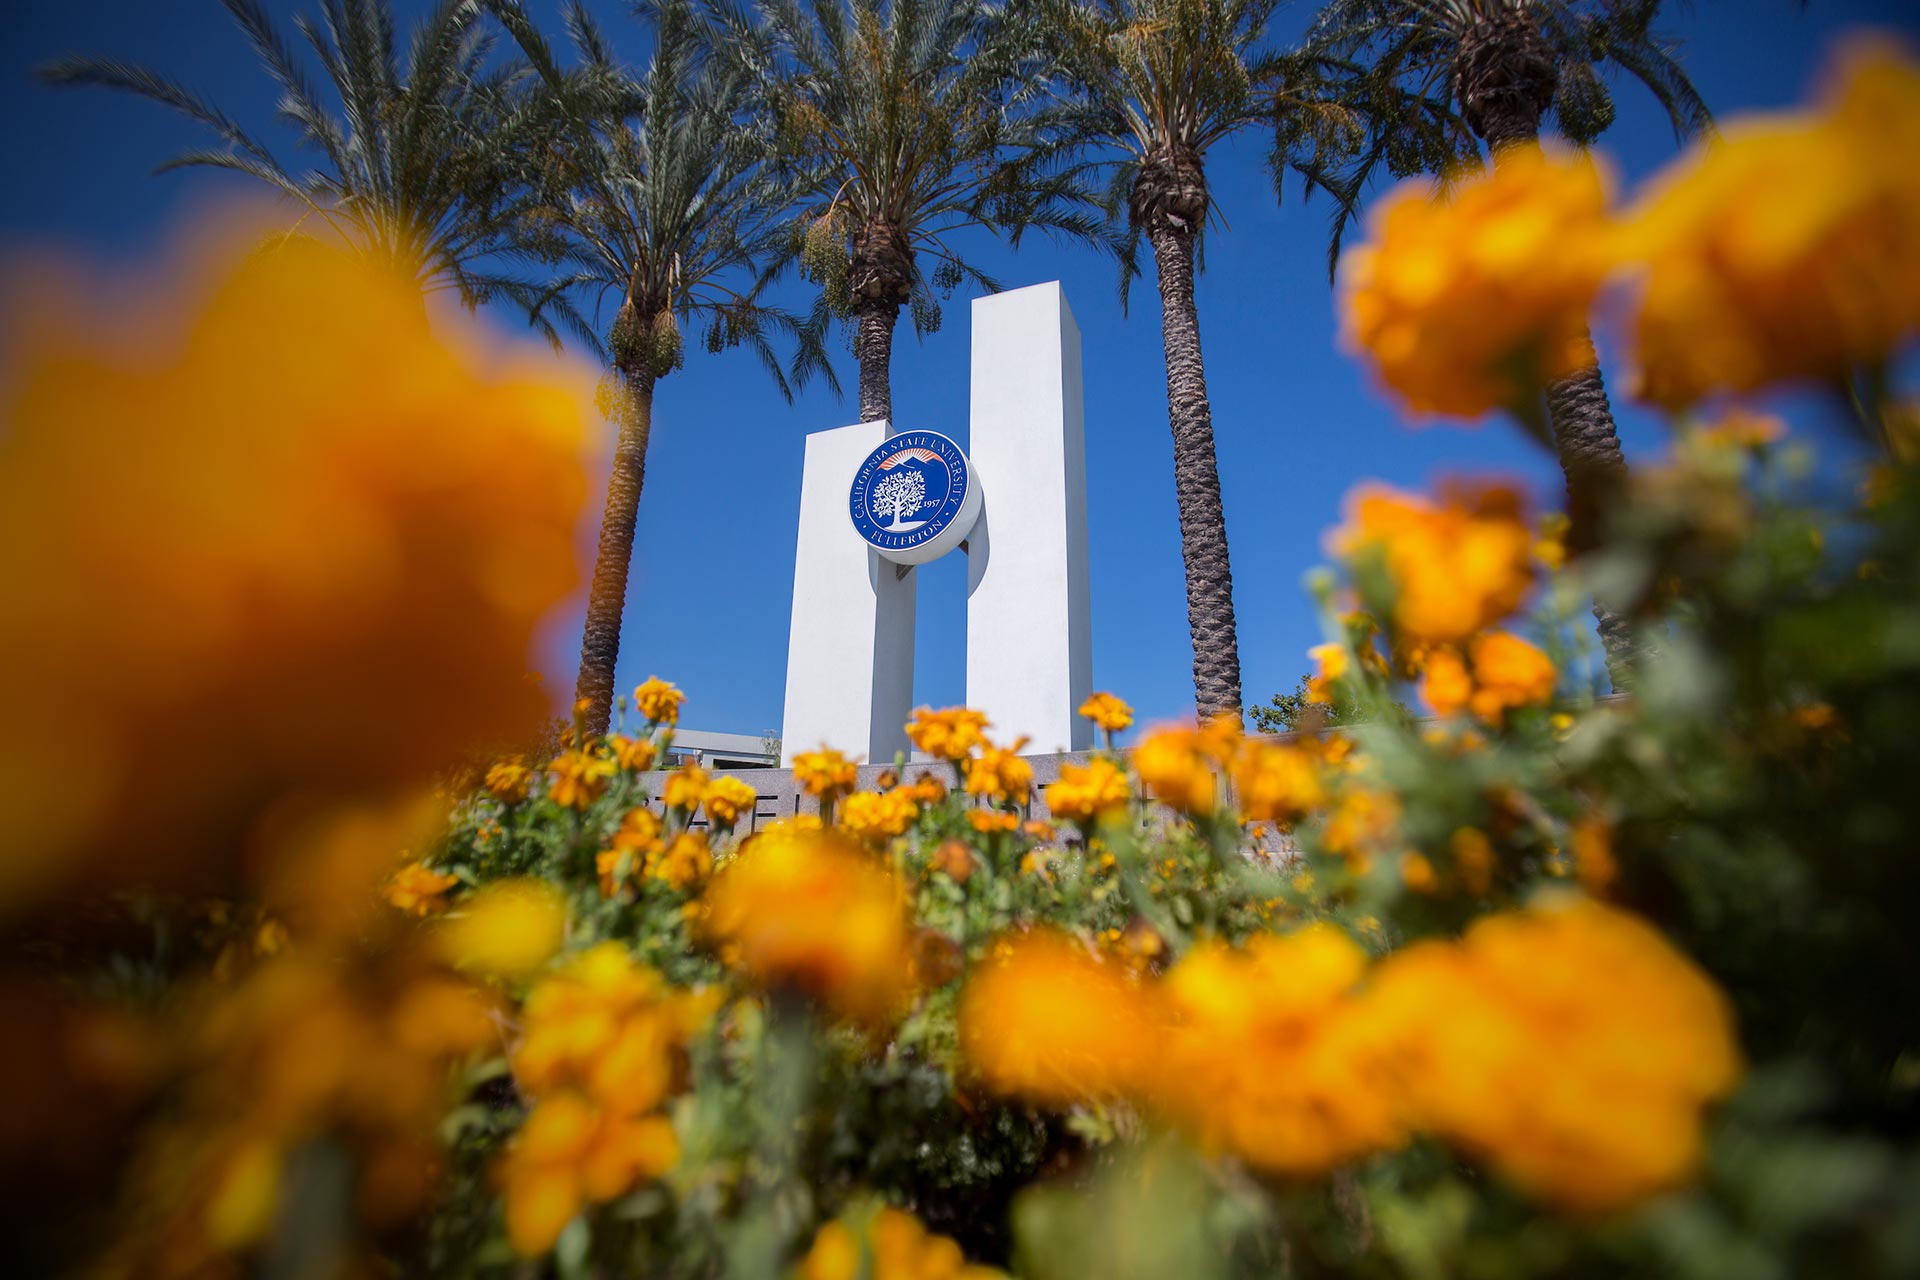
(1542,984)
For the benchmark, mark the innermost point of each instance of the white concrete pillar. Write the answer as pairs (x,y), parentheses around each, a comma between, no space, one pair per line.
(1029,635)
(850,649)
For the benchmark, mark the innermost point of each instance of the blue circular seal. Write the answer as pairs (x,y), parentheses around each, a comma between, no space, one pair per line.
(915,497)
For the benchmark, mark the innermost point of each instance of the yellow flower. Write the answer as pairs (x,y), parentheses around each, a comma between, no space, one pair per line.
(824,773)
(658,701)
(926,789)
(1783,247)
(508,929)
(1046,1018)
(1593,861)
(1456,566)
(685,788)
(1417,873)
(1176,766)
(1363,822)
(387,549)
(950,734)
(608,1029)
(1000,773)
(1330,667)
(419,890)
(1471,299)
(682,864)
(1086,794)
(726,799)
(570,1154)
(878,815)
(896,1247)
(1474,857)
(1276,783)
(1743,429)
(988,821)
(1569,1045)
(1273,1057)
(810,911)
(1108,712)
(578,778)
(1446,685)
(509,782)
(635,755)
(1509,673)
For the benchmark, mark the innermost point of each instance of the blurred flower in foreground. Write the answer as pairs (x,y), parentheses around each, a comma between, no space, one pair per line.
(1452,567)
(809,911)
(508,929)
(1570,1045)
(305,1056)
(894,1246)
(344,513)
(600,1051)
(1273,1057)
(1045,1017)
(1471,298)
(1505,672)
(1784,247)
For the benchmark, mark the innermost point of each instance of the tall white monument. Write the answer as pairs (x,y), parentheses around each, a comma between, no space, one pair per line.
(876,500)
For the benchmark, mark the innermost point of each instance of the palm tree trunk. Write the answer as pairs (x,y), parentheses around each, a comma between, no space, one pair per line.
(1583,430)
(607,598)
(873,348)
(1196,478)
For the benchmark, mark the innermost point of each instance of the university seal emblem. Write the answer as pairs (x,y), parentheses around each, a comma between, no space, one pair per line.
(915,498)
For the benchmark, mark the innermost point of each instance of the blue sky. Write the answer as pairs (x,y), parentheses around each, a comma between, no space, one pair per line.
(1296,421)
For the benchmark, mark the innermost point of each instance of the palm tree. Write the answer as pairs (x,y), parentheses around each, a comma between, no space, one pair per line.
(1157,83)
(907,121)
(650,193)
(416,163)
(1436,69)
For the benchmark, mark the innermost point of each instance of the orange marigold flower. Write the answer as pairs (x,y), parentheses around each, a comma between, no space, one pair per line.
(950,734)
(1272,1056)
(1276,783)
(896,1247)
(1087,793)
(150,528)
(988,821)
(1638,1040)
(1508,673)
(682,864)
(685,788)
(1176,767)
(878,815)
(659,701)
(1469,300)
(1593,863)
(419,890)
(809,910)
(635,755)
(1363,822)
(1784,247)
(1446,686)
(509,782)
(1330,666)
(1108,712)
(1456,566)
(955,860)
(1000,772)
(825,773)
(509,928)
(576,778)
(926,788)
(1046,1018)
(570,1154)
(726,799)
